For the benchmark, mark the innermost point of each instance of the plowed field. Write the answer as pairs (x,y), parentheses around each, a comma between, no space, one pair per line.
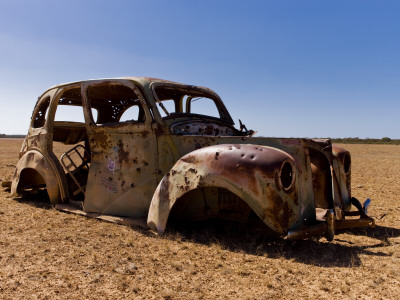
(48,254)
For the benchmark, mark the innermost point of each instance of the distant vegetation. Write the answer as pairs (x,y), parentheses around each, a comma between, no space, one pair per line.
(14,136)
(356,140)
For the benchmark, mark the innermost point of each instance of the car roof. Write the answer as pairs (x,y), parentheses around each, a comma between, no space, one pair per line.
(144,81)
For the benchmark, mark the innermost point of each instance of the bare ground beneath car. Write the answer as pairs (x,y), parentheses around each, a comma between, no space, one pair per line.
(46,253)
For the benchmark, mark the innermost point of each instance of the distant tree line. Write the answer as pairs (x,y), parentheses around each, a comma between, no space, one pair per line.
(356,140)
(14,136)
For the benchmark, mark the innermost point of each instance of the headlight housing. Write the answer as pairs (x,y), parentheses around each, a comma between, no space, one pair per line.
(287,175)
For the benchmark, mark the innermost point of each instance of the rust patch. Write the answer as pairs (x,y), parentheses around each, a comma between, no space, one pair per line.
(209,130)
(241,162)
(122,154)
(145,134)
(100,139)
(276,179)
(278,213)
(35,141)
(192,170)
(164,192)
(30,157)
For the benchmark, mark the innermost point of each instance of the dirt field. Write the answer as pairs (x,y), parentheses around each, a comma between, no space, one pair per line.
(49,254)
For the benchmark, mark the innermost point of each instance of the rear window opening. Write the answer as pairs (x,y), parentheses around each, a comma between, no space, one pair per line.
(40,114)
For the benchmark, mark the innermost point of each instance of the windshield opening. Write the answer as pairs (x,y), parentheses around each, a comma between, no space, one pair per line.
(178,101)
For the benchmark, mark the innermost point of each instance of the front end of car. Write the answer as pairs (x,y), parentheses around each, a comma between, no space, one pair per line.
(335,208)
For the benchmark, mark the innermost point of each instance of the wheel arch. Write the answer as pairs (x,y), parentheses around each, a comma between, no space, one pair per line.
(248,171)
(34,169)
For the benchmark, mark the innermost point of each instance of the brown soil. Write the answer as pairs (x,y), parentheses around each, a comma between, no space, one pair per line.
(45,253)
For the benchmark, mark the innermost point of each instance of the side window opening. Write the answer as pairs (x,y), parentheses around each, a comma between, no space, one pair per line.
(115,103)
(69,108)
(71,113)
(69,123)
(39,117)
(131,114)
(70,129)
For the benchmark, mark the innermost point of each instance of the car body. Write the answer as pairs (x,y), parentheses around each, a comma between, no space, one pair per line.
(161,150)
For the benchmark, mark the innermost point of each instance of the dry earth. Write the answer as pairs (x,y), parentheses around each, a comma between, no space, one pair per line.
(49,254)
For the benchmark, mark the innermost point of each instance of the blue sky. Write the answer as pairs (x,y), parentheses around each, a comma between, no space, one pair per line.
(285,68)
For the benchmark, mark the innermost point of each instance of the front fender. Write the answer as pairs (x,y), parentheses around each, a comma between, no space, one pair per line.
(252,172)
(342,168)
(34,162)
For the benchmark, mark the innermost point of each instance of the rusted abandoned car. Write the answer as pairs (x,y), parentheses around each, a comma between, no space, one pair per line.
(161,150)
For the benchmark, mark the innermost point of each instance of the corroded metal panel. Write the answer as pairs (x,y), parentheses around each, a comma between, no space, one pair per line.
(297,148)
(342,168)
(124,165)
(34,162)
(252,172)
(123,170)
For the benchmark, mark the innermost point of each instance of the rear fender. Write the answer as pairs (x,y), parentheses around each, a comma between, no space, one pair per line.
(34,163)
(253,173)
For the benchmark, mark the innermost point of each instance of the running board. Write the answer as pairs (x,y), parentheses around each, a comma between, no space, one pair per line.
(128,221)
